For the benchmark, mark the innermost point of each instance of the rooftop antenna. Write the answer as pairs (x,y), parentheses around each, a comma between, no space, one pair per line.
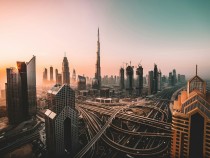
(64,54)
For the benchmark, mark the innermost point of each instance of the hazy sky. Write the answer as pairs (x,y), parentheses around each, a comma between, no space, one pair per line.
(172,34)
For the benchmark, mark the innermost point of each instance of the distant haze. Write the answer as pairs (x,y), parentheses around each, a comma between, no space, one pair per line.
(172,34)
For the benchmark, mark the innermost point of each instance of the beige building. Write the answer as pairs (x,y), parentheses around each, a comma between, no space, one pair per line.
(191,121)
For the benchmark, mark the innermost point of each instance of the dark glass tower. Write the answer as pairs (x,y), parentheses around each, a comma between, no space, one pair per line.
(150,83)
(155,79)
(65,71)
(21,91)
(122,78)
(31,81)
(16,94)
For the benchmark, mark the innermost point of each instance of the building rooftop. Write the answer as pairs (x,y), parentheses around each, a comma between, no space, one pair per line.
(55,89)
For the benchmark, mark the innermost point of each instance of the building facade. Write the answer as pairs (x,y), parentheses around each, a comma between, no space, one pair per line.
(61,122)
(191,121)
(81,83)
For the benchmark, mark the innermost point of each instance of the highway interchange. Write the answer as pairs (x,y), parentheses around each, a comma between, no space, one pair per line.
(116,131)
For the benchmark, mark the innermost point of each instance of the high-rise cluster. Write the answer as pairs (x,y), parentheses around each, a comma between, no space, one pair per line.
(129,83)
(63,78)
(21,91)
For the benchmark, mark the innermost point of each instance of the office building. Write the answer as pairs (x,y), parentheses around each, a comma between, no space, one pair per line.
(81,83)
(129,79)
(150,83)
(122,78)
(21,91)
(59,79)
(31,84)
(96,84)
(139,83)
(61,122)
(182,79)
(159,80)
(104,92)
(191,121)
(65,71)
(155,79)
(174,77)
(170,79)
(51,73)
(45,76)
(56,73)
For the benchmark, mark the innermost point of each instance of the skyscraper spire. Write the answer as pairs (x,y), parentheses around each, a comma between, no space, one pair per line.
(98,35)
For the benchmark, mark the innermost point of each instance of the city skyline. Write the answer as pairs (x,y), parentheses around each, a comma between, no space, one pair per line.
(165,33)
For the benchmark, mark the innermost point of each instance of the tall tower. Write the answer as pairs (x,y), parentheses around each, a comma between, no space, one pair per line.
(129,79)
(21,91)
(174,76)
(45,75)
(150,82)
(159,80)
(31,81)
(97,80)
(16,94)
(155,79)
(139,86)
(61,122)
(65,71)
(51,73)
(191,121)
(56,75)
(122,78)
